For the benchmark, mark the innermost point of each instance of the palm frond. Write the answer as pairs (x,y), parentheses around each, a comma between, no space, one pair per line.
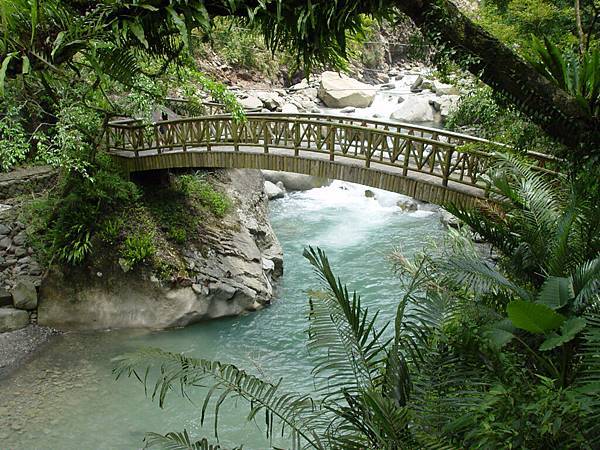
(180,441)
(162,373)
(349,350)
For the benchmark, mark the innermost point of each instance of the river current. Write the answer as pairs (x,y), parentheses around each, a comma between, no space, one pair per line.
(67,398)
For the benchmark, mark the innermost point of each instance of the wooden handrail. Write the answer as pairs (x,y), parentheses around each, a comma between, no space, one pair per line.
(409,148)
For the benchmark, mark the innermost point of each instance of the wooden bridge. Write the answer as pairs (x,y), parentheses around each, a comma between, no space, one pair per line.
(425,163)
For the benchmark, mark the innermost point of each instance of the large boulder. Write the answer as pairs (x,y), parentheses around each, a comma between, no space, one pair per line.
(25,295)
(339,91)
(417,109)
(295,181)
(12,319)
(273,191)
(445,89)
(251,102)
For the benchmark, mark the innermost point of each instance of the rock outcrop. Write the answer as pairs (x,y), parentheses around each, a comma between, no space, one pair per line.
(295,181)
(231,269)
(339,91)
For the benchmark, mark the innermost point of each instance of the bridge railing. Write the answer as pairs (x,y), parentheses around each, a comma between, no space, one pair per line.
(404,147)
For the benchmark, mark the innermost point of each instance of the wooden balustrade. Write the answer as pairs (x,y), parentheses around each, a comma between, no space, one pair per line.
(408,149)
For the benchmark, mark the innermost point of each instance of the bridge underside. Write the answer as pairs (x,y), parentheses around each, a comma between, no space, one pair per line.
(420,186)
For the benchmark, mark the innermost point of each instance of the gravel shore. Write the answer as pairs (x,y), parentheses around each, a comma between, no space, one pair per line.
(17,346)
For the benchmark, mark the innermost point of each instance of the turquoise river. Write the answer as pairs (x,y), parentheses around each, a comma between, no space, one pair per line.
(66,398)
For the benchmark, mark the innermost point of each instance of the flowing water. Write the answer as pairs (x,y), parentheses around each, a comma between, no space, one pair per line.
(67,398)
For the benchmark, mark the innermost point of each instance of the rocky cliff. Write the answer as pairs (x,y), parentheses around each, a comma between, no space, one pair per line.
(231,268)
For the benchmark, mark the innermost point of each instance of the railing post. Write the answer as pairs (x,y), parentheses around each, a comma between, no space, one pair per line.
(297,139)
(406,157)
(265,136)
(331,142)
(184,135)
(369,151)
(207,134)
(235,135)
(447,162)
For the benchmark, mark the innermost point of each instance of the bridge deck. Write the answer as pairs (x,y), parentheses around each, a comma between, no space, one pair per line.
(428,164)
(422,186)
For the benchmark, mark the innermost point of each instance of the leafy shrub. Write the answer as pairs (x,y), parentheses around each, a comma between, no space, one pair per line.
(14,145)
(138,249)
(198,189)
(73,216)
(110,230)
(177,234)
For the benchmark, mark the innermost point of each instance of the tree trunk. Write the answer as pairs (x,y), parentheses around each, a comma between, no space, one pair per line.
(556,112)
(579,28)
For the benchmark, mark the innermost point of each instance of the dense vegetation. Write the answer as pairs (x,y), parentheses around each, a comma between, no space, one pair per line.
(484,352)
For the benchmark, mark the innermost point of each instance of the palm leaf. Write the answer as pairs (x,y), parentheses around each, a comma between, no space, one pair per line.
(162,373)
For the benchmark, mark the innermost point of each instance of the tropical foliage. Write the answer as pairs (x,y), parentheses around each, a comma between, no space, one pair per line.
(481,354)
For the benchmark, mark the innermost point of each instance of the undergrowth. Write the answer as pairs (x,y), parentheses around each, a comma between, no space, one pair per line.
(107,218)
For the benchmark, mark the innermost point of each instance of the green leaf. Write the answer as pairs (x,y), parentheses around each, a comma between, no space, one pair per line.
(180,24)
(3,70)
(26,65)
(500,333)
(533,317)
(138,31)
(556,292)
(569,330)
(57,43)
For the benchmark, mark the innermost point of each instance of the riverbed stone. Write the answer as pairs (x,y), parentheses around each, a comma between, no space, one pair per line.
(25,295)
(227,278)
(407,204)
(416,109)
(5,242)
(295,181)
(4,230)
(273,191)
(12,319)
(339,91)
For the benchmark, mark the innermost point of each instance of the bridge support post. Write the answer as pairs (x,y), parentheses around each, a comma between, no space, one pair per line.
(331,143)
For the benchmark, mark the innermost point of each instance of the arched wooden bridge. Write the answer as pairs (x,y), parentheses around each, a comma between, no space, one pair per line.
(425,163)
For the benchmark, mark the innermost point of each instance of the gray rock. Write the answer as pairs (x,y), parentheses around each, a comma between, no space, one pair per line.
(416,86)
(388,86)
(338,91)
(407,204)
(273,191)
(448,219)
(369,193)
(25,295)
(295,181)
(20,239)
(20,251)
(12,319)
(416,110)
(348,109)
(5,242)
(400,99)
(4,230)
